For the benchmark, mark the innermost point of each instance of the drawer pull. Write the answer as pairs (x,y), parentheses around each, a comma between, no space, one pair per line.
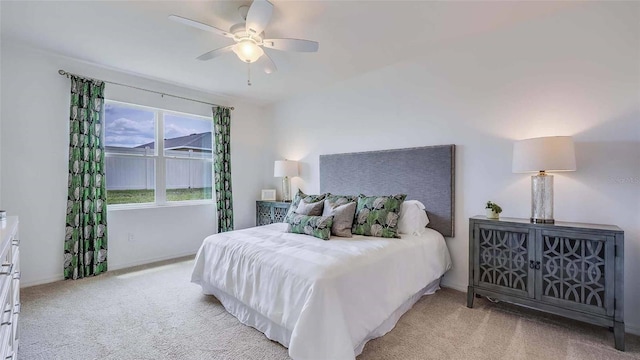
(8,272)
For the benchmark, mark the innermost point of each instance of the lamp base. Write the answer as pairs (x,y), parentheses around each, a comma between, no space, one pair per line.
(542,199)
(286,189)
(542,221)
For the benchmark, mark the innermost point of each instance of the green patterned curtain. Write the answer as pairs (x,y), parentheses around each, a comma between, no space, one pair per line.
(85,244)
(222,167)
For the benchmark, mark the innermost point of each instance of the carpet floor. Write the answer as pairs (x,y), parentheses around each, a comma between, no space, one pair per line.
(153,312)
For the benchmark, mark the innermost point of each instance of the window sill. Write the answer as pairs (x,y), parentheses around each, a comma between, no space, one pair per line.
(119,207)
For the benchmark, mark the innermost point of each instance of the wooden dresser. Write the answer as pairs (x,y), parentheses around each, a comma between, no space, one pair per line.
(269,212)
(9,288)
(570,269)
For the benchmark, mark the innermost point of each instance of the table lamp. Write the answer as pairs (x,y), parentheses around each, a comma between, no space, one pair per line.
(554,153)
(285,169)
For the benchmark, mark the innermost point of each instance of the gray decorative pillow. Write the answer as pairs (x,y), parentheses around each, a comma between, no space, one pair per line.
(311,209)
(318,226)
(342,217)
(378,215)
(296,201)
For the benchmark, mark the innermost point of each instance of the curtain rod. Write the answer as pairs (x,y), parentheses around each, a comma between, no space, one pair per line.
(67,74)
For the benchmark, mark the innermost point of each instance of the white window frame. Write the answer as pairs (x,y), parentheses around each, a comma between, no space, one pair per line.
(160,159)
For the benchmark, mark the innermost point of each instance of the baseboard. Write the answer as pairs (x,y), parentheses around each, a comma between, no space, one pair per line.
(47,280)
(632,329)
(454,286)
(147,261)
(112,267)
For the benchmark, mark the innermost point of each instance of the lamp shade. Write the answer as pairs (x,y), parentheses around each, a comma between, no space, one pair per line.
(248,51)
(554,153)
(284,168)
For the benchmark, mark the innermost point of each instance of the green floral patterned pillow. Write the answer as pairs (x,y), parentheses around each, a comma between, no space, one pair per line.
(378,216)
(296,201)
(337,200)
(318,226)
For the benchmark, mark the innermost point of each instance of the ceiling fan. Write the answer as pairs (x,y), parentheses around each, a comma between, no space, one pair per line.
(249,37)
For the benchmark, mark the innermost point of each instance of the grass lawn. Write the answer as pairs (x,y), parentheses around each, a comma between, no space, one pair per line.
(148,196)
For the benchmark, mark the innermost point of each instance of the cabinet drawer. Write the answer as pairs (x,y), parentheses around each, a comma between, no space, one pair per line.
(6,345)
(6,327)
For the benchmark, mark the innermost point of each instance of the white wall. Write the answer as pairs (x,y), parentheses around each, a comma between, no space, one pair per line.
(574,73)
(34,145)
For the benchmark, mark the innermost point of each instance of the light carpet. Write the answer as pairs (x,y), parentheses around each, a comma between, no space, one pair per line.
(154,312)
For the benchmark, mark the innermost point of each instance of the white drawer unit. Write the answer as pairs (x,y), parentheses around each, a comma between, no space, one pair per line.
(9,288)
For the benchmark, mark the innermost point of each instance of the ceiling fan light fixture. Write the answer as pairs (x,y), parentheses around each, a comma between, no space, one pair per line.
(248,51)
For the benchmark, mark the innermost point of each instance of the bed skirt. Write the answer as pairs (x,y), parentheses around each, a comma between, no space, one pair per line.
(275,332)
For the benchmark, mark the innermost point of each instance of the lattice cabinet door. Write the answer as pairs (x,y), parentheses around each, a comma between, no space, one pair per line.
(504,259)
(263,213)
(279,213)
(577,270)
(269,212)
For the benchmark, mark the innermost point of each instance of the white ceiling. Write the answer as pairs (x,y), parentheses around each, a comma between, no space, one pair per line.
(355,37)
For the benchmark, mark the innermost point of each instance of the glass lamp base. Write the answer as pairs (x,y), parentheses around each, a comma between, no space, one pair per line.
(542,199)
(286,189)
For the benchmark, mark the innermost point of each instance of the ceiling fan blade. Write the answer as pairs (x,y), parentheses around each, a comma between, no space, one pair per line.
(199,25)
(291,45)
(268,65)
(215,53)
(258,16)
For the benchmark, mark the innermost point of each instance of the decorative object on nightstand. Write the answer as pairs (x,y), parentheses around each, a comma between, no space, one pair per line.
(285,169)
(269,212)
(268,195)
(570,269)
(493,210)
(554,153)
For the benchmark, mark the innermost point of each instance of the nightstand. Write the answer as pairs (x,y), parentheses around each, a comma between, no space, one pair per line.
(269,212)
(574,270)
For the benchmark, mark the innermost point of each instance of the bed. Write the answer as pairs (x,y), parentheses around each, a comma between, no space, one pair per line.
(326,299)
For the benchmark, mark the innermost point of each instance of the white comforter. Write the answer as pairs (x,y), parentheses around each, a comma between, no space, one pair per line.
(327,295)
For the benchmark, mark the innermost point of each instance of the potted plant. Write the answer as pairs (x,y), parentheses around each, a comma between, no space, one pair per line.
(493,210)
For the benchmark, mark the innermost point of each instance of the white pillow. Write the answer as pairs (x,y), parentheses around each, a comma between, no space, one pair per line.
(413,218)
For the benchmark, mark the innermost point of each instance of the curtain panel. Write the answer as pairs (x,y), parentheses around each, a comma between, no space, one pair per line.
(85,244)
(222,167)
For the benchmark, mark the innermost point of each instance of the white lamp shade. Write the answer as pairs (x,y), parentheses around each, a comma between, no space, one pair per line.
(248,51)
(283,168)
(554,153)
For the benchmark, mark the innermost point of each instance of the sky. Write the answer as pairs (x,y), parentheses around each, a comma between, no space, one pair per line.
(130,127)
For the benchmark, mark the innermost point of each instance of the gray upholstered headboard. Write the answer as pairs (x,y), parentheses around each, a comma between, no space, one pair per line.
(424,173)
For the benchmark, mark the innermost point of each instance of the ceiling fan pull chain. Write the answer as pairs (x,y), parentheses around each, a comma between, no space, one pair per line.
(248,74)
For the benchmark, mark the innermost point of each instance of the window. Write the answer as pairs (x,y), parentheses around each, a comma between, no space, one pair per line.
(156,156)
